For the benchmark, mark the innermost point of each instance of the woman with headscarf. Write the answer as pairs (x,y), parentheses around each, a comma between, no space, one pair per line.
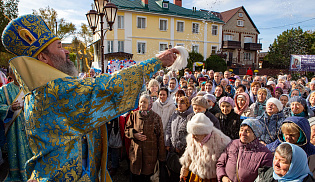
(219,92)
(145,130)
(164,106)
(289,164)
(205,144)
(242,108)
(259,106)
(229,120)
(173,86)
(298,107)
(242,157)
(295,92)
(295,130)
(311,101)
(176,132)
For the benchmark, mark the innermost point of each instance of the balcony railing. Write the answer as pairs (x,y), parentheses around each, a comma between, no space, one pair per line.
(232,44)
(252,46)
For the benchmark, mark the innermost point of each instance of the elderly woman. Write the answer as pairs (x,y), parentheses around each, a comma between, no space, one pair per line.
(166,79)
(254,87)
(152,90)
(259,106)
(295,130)
(271,120)
(176,132)
(201,105)
(241,108)
(311,101)
(164,106)
(205,144)
(242,157)
(145,130)
(298,107)
(191,91)
(229,120)
(214,107)
(173,86)
(295,92)
(289,164)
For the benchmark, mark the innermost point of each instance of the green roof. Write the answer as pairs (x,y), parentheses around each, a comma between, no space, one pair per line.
(155,7)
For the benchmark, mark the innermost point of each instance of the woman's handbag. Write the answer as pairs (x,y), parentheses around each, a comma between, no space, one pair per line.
(172,162)
(115,139)
(156,175)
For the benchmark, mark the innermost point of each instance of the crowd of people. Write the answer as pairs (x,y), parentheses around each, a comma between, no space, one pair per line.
(213,126)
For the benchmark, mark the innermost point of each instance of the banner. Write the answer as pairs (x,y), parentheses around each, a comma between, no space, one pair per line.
(302,63)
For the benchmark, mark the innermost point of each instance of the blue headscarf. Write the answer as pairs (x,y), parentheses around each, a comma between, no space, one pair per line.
(298,168)
(293,90)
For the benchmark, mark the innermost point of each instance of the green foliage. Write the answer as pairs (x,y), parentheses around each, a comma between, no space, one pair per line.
(216,63)
(194,57)
(5,57)
(73,58)
(86,33)
(49,15)
(293,41)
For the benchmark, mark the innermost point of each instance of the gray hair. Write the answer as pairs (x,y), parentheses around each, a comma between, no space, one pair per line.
(153,82)
(285,151)
(146,96)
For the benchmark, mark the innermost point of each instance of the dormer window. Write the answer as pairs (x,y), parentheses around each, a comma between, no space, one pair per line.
(165,4)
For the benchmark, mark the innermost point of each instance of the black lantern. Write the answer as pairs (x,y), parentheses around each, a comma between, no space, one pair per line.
(110,14)
(100,4)
(92,18)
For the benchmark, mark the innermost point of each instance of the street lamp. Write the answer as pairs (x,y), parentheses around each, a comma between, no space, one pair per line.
(103,7)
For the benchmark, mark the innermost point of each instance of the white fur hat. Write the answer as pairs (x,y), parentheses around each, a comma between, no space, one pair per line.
(199,124)
(276,102)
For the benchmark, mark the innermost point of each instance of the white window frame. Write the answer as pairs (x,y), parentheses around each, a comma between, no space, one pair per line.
(163,43)
(194,29)
(227,37)
(177,29)
(216,49)
(110,46)
(216,30)
(145,47)
(246,41)
(195,45)
(240,23)
(121,46)
(121,22)
(247,55)
(165,3)
(240,14)
(145,22)
(166,25)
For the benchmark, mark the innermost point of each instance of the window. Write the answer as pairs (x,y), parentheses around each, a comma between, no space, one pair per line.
(195,48)
(227,37)
(240,14)
(165,5)
(121,46)
(214,49)
(195,28)
(141,47)
(180,26)
(141,22)
(110,46)
(248,40)
(163,46)
(247,55)
(214,30)
(121,22)
(163,25)
(240,23)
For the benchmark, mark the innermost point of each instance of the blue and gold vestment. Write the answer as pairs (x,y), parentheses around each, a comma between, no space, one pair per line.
(18,149)
(61,111)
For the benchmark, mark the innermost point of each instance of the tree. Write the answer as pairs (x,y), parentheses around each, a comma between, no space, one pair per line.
(293,41)
(194,57)
(86,33)
(49,15)
(216,63)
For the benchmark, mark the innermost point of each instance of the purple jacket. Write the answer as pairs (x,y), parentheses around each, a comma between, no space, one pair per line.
(251,157)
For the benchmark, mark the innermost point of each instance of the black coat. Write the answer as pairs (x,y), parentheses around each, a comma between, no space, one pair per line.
(230,124)
(215,109)
(212,118)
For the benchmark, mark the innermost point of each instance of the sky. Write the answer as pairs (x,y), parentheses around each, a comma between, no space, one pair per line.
(271,17)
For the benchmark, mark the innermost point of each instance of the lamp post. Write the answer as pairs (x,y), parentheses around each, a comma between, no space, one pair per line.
(103,7)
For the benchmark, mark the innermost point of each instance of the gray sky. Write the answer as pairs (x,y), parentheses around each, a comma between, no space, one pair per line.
(271,17)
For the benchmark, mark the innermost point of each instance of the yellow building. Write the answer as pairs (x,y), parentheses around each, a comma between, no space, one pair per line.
(145,27)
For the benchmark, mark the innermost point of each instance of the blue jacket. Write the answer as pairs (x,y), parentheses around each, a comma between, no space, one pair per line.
(304,126)
(273,123)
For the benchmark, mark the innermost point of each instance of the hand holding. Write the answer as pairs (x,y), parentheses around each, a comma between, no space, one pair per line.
(15,106)
(140,136)
(168,57)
